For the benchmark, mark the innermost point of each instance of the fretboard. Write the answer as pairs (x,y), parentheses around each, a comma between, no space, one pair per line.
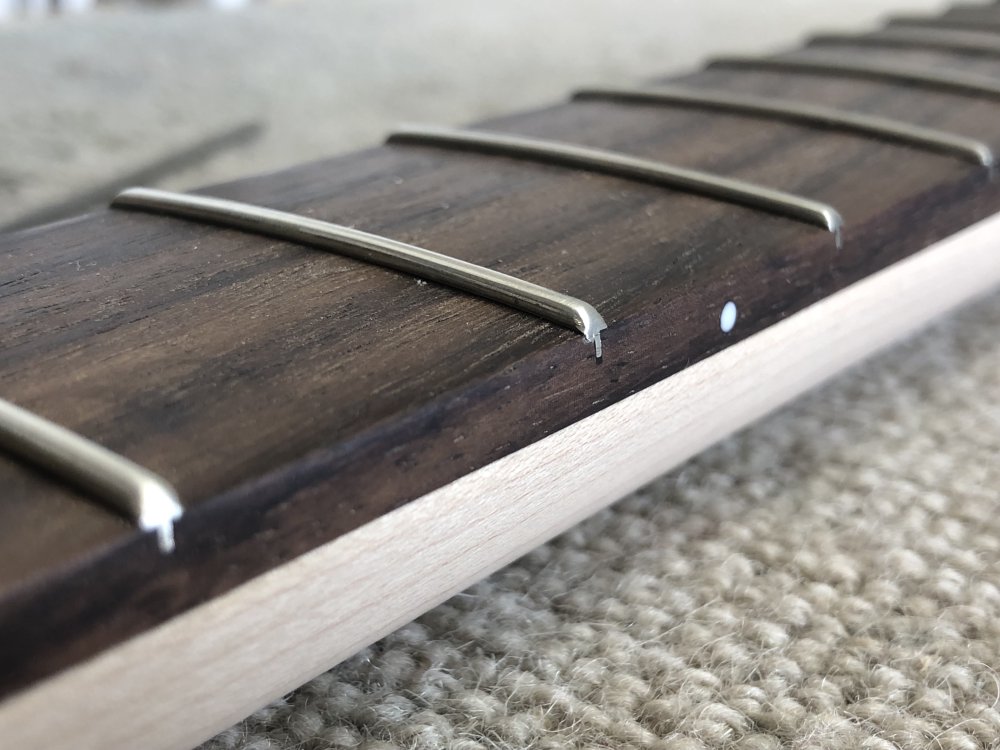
(292,395)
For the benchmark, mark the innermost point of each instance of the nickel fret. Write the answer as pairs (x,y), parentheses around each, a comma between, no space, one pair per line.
(808,114)
(621,165)
(972,42)
(147,498)
(537,300)
(953,81)
(964,23)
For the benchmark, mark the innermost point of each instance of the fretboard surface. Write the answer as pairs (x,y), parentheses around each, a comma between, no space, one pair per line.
(292,395)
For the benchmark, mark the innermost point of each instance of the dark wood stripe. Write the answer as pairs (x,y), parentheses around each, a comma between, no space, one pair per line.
(293,395)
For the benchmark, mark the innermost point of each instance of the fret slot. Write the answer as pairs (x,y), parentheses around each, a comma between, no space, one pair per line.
(629,167)
(968,149)
(146,498)
(534,299)
(953,81)
(971,42)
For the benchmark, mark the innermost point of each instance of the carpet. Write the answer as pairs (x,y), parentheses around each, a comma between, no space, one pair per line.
(828,578)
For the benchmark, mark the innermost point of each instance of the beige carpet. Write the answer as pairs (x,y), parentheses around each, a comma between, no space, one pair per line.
(829,578)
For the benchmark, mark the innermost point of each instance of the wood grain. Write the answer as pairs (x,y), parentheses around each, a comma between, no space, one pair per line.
(218,662)
(293,396)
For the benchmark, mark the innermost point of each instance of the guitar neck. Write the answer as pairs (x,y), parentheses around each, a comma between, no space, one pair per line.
(344,432)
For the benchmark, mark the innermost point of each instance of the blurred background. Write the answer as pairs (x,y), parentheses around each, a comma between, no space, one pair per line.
(38,8)
(100,93)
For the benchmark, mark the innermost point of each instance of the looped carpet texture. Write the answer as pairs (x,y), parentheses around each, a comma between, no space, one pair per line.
(828,578)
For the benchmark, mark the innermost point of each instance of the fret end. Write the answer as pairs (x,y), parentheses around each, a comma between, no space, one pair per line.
(165,538)
(159,508)
(590,323)
(835,224)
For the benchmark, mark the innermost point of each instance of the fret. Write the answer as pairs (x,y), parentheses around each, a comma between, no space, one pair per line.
(953,81)
(884,128)
(965,22)
(547,304)
(621,165)
(148,499)
(951,40)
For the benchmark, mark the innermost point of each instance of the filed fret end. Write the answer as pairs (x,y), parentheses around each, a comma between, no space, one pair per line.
(147,499)
(158,510)
(590,323)
(835,224)
(165,538)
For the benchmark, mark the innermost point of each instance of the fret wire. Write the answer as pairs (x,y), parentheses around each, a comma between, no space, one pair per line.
(972,42)
(621,165)
(949,80)
(525,296)
(881,127)
(147,498)
(985,25)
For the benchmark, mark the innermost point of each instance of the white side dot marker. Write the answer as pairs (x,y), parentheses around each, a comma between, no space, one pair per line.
(728,318)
